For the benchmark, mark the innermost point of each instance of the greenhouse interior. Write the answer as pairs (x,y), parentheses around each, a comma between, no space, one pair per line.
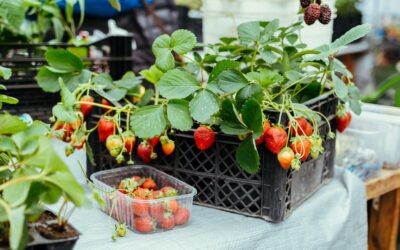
(200,124)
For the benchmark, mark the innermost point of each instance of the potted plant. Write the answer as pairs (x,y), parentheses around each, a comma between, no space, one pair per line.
(32,175)
(261,88)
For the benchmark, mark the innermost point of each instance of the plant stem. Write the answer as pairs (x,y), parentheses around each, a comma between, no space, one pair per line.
(253,58)
(18,180)
(59,216)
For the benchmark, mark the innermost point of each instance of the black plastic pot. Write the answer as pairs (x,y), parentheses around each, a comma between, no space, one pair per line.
(271,194)
(26,59)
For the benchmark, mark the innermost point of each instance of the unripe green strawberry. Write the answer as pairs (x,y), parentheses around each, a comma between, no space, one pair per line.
(114,145)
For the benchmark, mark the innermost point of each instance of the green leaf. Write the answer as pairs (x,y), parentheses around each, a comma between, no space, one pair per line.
(23,138)
(253,117)
(231,123)
(350,36)
(265,77)
(338,66)
(48,80)
(18,227)
(58,29)
(162,50)
(103,81)
(149,121)
(11,124)
(247,156)
(62,114)
(128,81)
(254,91)
(8,99)
(177,84)
(183,41)
(269,56)
(292,38)
(63,60)
(203,106)
(397,98)
(116,94)
(178,114)
(115,4)
(7,145)
(249,32)
(5,72)
(67,98)
(152,75)
(51,194)
(16,194)
(231,81)
(222,66)
(293,75)
(340,87)
(270,29)
(146,98)
(355,106)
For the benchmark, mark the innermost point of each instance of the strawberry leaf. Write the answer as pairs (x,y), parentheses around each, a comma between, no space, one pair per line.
(231,123)
(249,32)
(340,87)
(5,73)
(222,66)
(176,84)
(103,81)
(252,117)
(247,156)
(231,81)
(183,41)
(63,61)
(178,114)
(149,121)
(152,75)
(203,106)
(254,91)
(128,81)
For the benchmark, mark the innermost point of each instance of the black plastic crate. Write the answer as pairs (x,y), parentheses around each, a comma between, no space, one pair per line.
(113,55)
(271,194)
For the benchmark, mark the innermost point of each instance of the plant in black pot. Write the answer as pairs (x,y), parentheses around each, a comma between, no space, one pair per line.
(244,123)
(31,176)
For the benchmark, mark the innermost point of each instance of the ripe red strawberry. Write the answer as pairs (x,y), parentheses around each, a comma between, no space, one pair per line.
(167,145)
(153,141)
(301,126)
(181,216)
(204,137)
(301,146)
(138,179)
(149,184)
(105,129)
(157,194)
(129,141)
(144,151)
(144,224)
(261,140)
(157,211)
(309,129)
(128,184)
(169,191)
(168,221)
(285,157)
(171,206)
(140,208)
(276,139)
(141,193)
(86,108)
(343,121)
(114,145)
(105,102)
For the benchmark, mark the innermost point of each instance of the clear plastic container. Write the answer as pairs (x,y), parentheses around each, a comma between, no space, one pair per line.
(145,216)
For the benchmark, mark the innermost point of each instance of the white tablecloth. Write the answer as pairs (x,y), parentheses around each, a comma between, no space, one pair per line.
(333,218)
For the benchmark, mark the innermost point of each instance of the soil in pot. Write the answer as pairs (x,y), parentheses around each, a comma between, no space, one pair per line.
(55,232)
(47,216)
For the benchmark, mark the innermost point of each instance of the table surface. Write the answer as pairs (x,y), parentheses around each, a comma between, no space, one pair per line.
(333,218)
(384,182)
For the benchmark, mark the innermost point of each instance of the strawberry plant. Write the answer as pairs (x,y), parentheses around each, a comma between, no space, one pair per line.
(229,89)
(31,174)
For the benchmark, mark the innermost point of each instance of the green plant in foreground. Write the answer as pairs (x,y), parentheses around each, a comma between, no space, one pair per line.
(392,82)
(31,175)
(266,68)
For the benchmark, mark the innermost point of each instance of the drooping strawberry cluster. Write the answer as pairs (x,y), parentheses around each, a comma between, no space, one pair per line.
(314,10)
(149,213)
